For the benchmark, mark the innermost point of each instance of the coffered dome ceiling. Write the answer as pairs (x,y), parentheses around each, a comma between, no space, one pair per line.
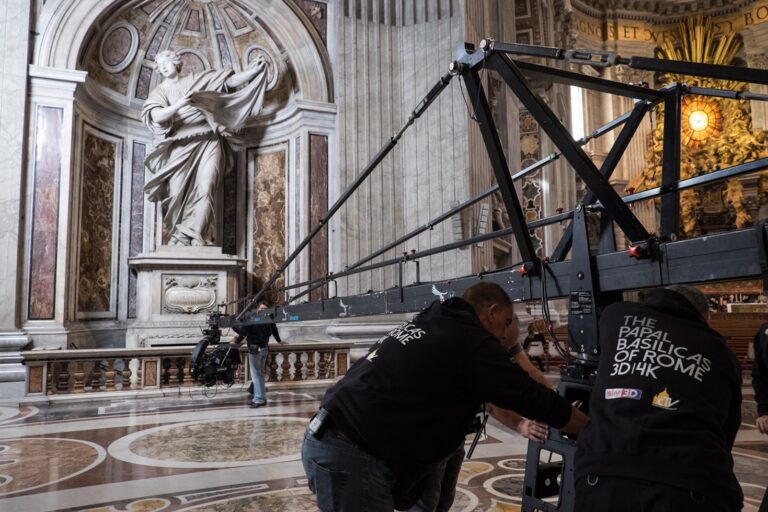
(207,34)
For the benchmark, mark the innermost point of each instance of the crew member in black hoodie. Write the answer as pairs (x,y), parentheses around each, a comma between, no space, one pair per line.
(664,411)
(760,385)
(760,377)
(408,404)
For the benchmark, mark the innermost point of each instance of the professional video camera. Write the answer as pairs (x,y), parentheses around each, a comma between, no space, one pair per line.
(218,364)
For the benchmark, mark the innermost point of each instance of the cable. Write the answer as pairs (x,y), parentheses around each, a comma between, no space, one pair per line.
(473,111)
(545,311)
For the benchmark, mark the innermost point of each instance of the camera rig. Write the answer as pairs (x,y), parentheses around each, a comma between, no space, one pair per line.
(596,274)
(208,367)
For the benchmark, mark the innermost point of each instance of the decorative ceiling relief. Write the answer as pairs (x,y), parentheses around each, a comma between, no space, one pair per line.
(118,47)
(207,34)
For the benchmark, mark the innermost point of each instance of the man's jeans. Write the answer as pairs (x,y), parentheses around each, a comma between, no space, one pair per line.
(344,477)
(257,362)
(440,486)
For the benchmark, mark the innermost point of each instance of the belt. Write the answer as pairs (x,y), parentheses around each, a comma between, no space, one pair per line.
(322,422)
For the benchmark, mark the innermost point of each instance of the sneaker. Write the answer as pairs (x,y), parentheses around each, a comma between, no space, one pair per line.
(257,404)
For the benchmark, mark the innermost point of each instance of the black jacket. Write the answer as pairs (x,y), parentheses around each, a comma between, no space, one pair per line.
(666,405)
(411,400)
(258,334)
(760,370)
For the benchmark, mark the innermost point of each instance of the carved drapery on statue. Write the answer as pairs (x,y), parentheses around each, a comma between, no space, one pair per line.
(194,154)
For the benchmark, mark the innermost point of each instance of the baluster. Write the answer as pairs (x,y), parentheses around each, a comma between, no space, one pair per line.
(49,388)
(165,376)
(110,373)
(310,364)
(286,367)
(140,375)
(272,367)
(126,374)
(322,366)
(62,386)
(79,377)
(173,373)
(298,365)
(96,376)
(331,364)
(187,374)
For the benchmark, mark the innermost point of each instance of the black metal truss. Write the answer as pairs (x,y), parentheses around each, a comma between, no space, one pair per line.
(593,276)
(494,56)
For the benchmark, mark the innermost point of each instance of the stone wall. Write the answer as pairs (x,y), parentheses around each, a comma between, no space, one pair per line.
(390,54)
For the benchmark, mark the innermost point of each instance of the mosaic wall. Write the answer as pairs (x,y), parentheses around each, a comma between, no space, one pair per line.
(530,153)
(528,27)
(45,213)
(268,201)
(318,208)
(96,220)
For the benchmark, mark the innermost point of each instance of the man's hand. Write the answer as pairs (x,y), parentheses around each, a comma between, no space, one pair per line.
(762,424)
(533,430)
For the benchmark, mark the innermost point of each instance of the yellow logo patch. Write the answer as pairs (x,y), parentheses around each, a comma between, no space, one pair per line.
(664,401)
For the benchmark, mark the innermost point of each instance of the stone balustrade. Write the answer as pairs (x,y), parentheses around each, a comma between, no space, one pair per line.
(56,374)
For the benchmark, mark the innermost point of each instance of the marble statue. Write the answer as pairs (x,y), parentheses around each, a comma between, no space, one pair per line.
(194,114)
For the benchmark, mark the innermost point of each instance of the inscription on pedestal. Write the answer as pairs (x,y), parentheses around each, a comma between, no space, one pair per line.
(188,294)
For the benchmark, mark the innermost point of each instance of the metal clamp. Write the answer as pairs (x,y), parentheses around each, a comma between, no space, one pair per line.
(582,56)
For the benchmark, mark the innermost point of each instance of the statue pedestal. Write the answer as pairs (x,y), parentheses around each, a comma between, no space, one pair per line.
(176,288)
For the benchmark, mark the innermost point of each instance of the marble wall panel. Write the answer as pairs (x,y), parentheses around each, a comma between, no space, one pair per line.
(117,45)
(268,201)
(150,6)
(154,44)
(224,52)
(237,20)
(318,208)
(96,218)
(193,21)
(230,217)
(172,13)
(214,17)
(142,84)
(45,213)
(135,244)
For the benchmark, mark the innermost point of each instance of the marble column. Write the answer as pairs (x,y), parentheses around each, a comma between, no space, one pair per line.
(14,43)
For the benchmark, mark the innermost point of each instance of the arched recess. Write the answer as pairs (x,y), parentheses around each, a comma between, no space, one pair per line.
(101,129)
(65,26)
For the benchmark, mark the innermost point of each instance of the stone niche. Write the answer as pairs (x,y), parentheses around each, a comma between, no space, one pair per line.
(178,287)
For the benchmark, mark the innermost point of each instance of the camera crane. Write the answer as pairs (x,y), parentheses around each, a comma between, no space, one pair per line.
(594,276)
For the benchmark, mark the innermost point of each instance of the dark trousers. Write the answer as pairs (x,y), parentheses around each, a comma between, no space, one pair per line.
(609,494)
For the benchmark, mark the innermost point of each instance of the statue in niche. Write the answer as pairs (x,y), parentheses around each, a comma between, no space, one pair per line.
(194,114)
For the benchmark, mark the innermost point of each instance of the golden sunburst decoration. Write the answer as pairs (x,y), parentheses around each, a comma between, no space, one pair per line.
(701,119)
(715,133)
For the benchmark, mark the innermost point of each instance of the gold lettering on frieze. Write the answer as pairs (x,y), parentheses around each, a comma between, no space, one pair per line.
(658,33)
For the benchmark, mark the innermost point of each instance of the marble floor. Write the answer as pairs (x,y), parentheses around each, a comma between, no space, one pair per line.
(190,452)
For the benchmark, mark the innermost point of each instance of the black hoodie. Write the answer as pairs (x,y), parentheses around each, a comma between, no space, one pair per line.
(410,401)
(760,370)
(666,405)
